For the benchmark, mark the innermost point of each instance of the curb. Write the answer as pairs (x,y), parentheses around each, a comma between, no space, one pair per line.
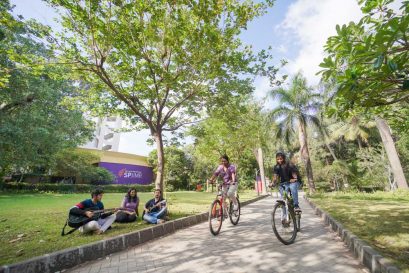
(68,258)
(368,256)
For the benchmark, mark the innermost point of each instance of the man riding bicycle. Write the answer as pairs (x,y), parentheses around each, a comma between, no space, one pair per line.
(289,179)
(227,172)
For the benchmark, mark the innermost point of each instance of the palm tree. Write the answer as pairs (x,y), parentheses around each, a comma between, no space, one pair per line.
(297,108)
(353,129)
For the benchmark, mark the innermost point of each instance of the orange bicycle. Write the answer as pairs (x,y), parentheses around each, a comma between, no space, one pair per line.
(218,211)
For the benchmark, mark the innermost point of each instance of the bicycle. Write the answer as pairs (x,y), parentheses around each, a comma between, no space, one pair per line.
(285,225)
(218,211)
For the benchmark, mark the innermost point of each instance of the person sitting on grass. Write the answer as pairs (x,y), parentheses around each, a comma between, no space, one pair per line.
(129,207)
(155,209)
(86,208)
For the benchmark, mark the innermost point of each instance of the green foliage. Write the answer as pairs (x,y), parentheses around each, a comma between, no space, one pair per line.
(20,48)
(178,168)
(373,165)
(79,163)
(368,63)
(402,145)
(18,187)
(237,129)
(158,63)
(99,176)
(34,124)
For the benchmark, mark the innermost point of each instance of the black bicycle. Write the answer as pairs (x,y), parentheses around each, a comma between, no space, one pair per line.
(286,222)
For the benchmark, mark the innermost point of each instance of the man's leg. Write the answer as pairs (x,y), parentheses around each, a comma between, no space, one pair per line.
(294,192)
(283,187)
(89,227)
(161,213)
(150,218)
(106,222)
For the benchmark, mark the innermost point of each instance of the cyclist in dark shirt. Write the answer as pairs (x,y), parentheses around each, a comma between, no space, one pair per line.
(287,174)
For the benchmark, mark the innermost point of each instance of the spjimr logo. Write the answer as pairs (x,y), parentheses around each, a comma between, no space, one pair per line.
(129,174)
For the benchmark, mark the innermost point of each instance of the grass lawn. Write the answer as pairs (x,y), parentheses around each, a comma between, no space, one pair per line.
(30,224)
(380,218)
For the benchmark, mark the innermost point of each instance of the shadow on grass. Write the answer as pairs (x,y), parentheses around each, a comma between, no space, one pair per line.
(382,224)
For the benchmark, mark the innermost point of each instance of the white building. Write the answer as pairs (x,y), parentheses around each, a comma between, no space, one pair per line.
(105,136)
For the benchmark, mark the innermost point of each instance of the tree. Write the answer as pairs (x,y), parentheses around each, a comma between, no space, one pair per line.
(34,122)
(354,129)
(368,59)
(178,168)
(368,62)
(237,129)
(297,105)
(159,62)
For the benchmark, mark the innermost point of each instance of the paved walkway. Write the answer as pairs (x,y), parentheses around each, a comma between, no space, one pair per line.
(251,246)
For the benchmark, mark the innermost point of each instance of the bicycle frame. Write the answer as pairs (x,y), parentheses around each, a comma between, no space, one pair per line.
(221,196)
(289,205)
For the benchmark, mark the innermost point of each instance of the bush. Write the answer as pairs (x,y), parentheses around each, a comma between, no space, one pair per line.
(72,188)
(100,176)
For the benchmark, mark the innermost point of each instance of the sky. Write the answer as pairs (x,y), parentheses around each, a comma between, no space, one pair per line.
(296,29)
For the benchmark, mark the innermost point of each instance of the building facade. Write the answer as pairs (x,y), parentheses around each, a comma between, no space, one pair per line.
(106,136)
(127,168)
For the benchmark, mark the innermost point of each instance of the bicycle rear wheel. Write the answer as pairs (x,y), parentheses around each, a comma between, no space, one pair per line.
(215,217)
(234,215)
(285,231)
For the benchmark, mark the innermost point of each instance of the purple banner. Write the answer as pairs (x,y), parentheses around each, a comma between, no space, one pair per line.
(129,174)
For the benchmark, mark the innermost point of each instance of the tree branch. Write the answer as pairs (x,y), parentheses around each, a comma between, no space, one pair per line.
(8,107)
(182,124)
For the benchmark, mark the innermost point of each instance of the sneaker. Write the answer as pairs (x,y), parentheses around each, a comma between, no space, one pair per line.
(297,209)
(235,207)
(160,221)
(285,223)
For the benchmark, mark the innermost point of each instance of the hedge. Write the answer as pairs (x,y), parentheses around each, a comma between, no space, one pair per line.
(71,188)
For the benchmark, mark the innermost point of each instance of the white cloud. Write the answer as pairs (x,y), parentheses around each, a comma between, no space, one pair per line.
(310,24)
(262,85)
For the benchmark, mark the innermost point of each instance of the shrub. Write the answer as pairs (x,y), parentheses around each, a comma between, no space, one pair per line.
(72,188)
(100,176)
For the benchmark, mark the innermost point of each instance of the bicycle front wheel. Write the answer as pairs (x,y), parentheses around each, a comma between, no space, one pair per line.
(285,228)
(234,215)
(215,217)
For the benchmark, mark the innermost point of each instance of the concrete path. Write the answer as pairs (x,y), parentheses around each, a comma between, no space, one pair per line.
(251,246)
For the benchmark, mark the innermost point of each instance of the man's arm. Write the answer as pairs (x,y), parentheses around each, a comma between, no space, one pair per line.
(294,175)
(79,209)
(273,180)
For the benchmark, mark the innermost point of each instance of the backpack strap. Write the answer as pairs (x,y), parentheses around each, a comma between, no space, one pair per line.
(69,232)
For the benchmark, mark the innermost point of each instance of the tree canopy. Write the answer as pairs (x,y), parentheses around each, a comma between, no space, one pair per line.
(158,63)
(368,62)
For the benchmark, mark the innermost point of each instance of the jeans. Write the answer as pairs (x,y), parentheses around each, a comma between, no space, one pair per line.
(153,217)
(293,188)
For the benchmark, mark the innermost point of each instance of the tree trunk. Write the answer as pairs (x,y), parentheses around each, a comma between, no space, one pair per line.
(359,143)
(391,152)
(260,162)
(161,160)
(305,155)
(330,150)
